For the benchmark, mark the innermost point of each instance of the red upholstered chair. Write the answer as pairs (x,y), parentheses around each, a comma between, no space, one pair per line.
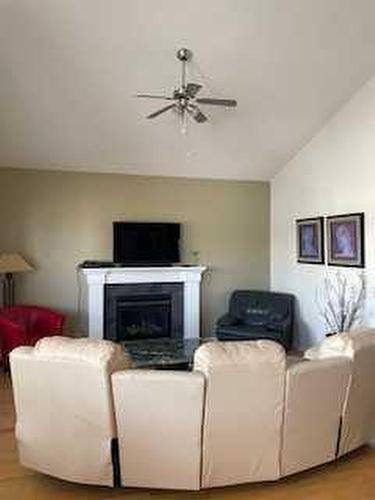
(24,325)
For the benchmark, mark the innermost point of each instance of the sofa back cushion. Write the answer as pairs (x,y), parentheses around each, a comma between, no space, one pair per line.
(315,392)
(243,410)
(159,420)
(358,426)
(358,418)
(64,411)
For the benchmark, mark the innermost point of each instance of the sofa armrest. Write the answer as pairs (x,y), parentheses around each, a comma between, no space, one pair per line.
(159,421)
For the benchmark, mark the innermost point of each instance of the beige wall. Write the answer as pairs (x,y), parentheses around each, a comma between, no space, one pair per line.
(58,219)
(333,174)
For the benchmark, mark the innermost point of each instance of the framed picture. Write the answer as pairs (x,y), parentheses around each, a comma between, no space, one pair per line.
(310,241)
(345,235)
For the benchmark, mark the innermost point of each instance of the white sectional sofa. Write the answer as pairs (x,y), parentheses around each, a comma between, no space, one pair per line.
(246,412)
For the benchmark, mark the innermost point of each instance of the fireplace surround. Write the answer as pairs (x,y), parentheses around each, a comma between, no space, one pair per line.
(96,283)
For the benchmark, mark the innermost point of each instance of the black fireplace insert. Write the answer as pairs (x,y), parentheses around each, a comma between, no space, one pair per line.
(143,311)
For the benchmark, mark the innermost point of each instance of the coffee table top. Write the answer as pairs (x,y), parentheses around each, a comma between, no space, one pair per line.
(174,354)
(164,353)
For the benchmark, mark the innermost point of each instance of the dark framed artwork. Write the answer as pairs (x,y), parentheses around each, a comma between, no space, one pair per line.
(310,240)
(345,245)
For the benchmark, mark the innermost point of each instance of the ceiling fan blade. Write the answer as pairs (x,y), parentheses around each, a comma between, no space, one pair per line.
(151,96)
(160,111)
(192,89)
(230,103)
(196,113)
(199,117)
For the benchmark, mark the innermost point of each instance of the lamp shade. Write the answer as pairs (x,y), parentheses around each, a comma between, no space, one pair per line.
(13,263)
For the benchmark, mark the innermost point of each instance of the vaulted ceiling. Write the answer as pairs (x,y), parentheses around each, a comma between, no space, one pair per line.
(69,70)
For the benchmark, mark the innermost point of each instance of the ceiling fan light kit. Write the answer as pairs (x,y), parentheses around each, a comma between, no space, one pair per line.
(184,99)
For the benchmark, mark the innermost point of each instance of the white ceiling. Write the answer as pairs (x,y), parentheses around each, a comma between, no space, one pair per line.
(69,70)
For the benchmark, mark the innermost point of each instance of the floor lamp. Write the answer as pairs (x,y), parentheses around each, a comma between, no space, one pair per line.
(11,263)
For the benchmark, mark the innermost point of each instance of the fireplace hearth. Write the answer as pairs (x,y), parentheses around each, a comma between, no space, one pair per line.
(143,311)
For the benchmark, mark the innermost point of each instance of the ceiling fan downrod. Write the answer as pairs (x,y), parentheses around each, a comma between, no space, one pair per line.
(184,55)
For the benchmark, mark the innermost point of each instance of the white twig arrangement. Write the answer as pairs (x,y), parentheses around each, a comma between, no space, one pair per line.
(341,300)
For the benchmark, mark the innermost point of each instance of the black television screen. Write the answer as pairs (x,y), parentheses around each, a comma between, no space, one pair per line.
(146,242)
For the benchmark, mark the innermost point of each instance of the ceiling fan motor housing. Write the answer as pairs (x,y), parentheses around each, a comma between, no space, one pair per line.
(184,54)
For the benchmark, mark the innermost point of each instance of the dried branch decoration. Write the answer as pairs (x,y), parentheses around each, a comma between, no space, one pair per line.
(341,300)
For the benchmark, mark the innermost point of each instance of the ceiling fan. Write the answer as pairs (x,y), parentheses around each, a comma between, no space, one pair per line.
(184,99)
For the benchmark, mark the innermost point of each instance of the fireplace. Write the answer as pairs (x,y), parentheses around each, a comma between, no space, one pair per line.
(143,311)
(97,282)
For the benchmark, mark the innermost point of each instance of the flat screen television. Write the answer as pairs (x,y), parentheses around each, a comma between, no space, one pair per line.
(146,243)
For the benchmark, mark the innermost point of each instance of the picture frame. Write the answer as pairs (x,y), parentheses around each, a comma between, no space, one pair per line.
(345,240)
(310,240)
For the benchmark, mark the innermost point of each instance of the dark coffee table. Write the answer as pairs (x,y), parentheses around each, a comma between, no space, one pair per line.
(164,353)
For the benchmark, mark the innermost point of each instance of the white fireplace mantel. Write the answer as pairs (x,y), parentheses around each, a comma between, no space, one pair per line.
(95,279)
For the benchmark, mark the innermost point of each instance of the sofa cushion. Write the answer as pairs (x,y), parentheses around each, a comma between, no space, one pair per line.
(358,415)
(310,439)
(334,346)
(159,420)
(243,410)
(342,344)
(63,399)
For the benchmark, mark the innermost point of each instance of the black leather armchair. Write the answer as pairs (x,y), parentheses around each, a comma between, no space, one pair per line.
(258,315)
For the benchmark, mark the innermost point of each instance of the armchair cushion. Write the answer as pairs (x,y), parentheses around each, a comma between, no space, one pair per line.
(245,332)
(227,320)
(25,325)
